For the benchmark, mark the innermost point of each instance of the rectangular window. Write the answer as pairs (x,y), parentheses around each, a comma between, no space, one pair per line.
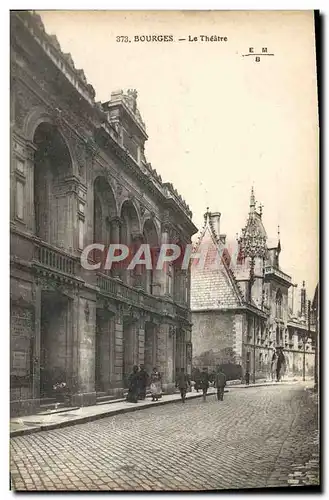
(19,200)
(81,234)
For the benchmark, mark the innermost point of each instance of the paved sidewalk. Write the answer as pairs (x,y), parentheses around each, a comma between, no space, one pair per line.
(54,419)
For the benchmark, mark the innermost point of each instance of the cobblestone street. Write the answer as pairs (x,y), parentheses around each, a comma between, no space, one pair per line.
(264,436)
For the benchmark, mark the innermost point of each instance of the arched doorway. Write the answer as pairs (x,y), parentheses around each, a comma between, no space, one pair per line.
(129,235)
(104,215)
(103,228)
(52,164)
(53,225)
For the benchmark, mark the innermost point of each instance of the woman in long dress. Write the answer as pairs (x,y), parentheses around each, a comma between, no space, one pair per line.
(156,386)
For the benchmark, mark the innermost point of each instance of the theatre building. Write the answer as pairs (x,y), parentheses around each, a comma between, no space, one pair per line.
(78,176)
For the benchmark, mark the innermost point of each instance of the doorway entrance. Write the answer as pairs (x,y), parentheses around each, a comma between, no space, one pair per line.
(55,366)
(130,348)
(104,350)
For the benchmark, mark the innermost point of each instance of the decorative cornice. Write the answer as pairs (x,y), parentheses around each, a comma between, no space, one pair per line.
(51,47)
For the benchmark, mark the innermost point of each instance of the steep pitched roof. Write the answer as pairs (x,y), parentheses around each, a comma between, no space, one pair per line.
(213,286)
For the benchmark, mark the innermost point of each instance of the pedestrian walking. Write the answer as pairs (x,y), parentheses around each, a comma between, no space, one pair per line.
(220,383)
(133,379)
(142,382)
(204,383)
(197,380)
(247,377)
(156,386)
(182,383)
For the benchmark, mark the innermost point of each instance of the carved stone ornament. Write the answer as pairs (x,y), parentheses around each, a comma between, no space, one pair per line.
(119,189)
(24,102)
(80,153)
(52,285)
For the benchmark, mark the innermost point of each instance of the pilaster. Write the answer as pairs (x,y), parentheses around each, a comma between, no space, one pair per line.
(37,340)
(118,342)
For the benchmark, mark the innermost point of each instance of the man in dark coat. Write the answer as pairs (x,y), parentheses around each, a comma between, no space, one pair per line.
(133,386)
(220,383)
(142,382)
(182,382)
(247,377)
(204,382)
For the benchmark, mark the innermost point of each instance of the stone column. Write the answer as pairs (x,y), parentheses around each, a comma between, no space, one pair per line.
(29,187)
(118,340)
(86,394)
(164,356)
(138,270)
(156,275)
(115,224)
(141,339)
(75,344)
(160,276)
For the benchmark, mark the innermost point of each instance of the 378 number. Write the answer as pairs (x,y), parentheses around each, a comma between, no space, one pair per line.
(122,39)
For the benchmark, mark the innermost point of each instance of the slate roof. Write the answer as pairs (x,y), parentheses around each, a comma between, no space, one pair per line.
(213,288)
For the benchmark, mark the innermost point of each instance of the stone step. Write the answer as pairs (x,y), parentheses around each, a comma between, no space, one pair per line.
(47,401)
(63,409)
(51,406)
(109,400)
(106,398)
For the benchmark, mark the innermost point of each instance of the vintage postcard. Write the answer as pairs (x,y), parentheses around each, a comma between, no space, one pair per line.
(164,260)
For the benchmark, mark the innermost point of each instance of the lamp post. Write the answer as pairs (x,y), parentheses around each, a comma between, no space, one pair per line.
(253,245)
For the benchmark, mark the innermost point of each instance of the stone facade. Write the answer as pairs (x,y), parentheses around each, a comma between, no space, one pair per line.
(79,176)
(243,318)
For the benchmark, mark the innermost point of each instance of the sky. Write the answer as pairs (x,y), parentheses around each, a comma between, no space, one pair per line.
(218,122)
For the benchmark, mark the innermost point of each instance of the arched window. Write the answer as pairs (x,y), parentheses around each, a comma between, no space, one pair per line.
(278,303)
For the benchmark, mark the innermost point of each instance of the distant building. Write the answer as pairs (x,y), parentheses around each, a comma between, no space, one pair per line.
(243,312)
(79,176)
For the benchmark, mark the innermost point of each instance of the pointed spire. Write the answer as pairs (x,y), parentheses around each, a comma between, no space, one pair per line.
(252,200)
(206,215)
(279,242)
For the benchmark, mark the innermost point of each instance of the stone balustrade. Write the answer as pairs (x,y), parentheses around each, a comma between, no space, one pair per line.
(120,291)
(277,272)
(55,259)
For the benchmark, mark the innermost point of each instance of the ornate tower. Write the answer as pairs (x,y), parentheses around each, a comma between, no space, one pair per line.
(252,246)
